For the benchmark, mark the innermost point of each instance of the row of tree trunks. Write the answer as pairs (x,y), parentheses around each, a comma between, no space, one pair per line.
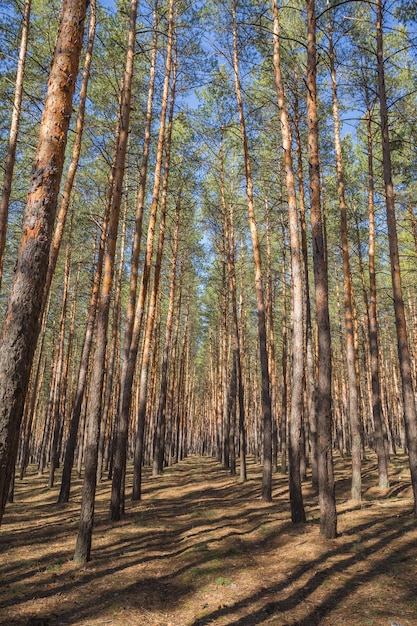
(131,351)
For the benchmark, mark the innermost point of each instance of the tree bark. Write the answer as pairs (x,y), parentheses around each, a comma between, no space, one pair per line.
(85,528)
(327,501)
(22,324)
(131,351)
(351,356)
(150,322)
(297,340)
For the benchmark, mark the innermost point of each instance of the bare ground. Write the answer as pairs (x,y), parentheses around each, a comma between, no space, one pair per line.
(200,548)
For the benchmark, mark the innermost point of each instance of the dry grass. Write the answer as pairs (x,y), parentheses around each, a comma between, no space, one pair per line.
(203,549)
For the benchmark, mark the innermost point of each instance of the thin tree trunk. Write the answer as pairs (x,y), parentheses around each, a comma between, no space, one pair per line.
(284,356)
(21,327)
(410,418)
(56,405)
(310,378)
(351,357)
(297,339)
(327,501)
(130,356)
(270,308)
(14,130)
(260,298)
(64,493)
(159,437)
(150,322)
(85,528)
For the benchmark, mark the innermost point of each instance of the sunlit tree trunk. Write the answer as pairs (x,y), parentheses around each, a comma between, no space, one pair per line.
(22,324)
(309,354)
(297,339)
(75,157)
(56,405)
(14,130)
(410,418)
(381,449)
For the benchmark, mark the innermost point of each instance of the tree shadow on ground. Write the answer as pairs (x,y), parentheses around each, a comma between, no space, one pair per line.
(196,525)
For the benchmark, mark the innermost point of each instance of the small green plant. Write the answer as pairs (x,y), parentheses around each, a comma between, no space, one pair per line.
(357,546)
(54,568)
(223,582)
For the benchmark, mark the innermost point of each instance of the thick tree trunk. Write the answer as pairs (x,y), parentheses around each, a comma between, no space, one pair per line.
(14,130)
(410,418)
(327,501)
(76,152)
(22,324)
(297,340)
(260,297)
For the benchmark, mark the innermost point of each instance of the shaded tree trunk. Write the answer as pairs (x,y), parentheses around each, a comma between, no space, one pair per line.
(351,356)
(327,501)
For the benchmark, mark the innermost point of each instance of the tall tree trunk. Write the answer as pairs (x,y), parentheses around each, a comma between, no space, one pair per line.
(21,327)
(159,436)
(381,443)
(260,298)
(56,405)
(237,387)
(85,528)
(351,356)
(297,339)
(327,501)
(131,351)
(270,308)
(150,322)
(410,418)
(14,130)
(310,378)
(284,357)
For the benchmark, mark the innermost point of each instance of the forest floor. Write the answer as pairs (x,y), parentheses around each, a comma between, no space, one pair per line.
(201,548)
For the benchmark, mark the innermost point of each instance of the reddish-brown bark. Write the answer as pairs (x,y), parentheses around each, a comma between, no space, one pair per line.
(22,324)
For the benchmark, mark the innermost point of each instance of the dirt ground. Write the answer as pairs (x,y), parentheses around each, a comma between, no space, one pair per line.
(200,548)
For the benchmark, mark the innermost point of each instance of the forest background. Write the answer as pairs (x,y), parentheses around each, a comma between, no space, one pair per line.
(233,259)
